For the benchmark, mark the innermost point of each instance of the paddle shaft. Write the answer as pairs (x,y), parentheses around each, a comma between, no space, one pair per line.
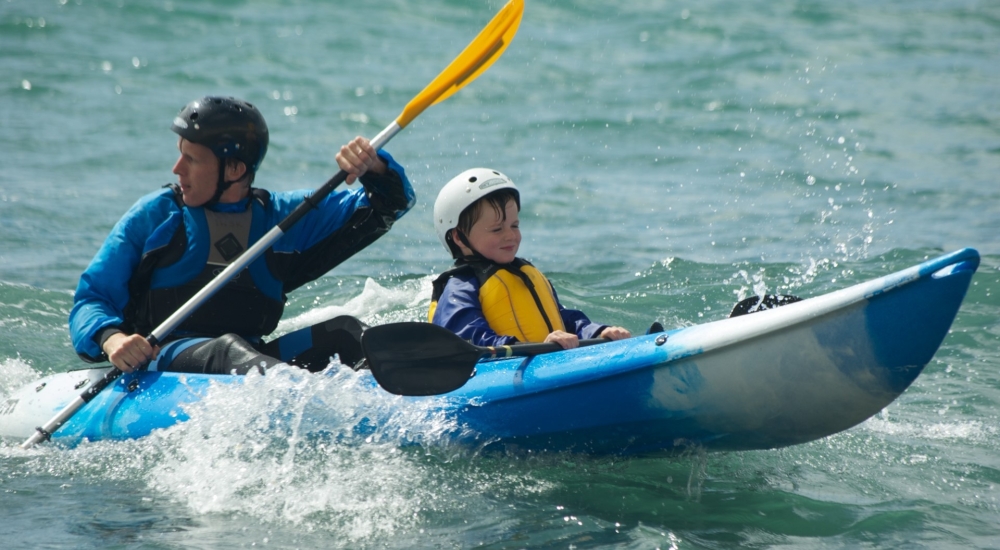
(529,350)
(42,433)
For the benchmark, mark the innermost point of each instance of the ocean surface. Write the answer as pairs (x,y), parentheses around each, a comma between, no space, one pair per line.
(672,157)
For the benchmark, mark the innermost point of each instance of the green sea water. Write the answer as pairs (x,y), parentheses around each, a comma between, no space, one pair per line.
(672,158)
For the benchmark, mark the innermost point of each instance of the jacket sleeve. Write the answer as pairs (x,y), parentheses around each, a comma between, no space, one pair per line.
(103,292)
(459,311)
(390,194)
(344,223)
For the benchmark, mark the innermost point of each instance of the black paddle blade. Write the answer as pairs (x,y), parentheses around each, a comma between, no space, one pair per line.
(418,358)
(754,304)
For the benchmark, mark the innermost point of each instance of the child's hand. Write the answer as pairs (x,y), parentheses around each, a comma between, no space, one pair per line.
(564,339)
(615,333)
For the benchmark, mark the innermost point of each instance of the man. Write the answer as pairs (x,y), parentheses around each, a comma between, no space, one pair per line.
(172,242)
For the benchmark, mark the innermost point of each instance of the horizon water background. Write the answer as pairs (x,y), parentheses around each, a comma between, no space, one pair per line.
(672,157)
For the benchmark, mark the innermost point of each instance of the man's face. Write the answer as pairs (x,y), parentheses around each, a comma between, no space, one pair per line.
(197,172)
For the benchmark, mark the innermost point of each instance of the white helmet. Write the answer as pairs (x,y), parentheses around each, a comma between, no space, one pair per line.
(463,190)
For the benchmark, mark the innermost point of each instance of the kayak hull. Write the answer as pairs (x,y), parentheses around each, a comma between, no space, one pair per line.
(770,379)
(767,380)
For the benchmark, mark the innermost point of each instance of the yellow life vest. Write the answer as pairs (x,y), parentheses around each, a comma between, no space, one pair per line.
(516,299)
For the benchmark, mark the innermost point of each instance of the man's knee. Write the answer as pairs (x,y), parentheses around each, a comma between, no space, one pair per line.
(227,354)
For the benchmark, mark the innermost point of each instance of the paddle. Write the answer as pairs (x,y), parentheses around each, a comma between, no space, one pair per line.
(484,49)
(425,359)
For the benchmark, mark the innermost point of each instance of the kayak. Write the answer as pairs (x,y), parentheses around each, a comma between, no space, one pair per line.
(770,379)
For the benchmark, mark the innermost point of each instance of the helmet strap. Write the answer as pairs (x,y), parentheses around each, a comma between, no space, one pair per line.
(475,256)
(222,185)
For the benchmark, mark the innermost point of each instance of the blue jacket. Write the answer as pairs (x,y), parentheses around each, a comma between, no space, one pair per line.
(459,310)
(320,240)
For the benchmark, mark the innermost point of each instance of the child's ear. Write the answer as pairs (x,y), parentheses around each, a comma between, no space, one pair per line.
(455,243)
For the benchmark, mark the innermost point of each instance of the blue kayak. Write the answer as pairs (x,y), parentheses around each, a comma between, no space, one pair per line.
(770,379)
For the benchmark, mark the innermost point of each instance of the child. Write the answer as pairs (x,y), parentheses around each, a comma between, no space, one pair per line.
(491,297)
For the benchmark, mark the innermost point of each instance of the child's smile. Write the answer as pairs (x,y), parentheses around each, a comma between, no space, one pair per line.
(494,237)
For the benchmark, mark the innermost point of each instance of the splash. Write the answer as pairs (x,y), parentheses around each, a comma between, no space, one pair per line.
(970,431)
(15,373)
(375,304)
(326,452)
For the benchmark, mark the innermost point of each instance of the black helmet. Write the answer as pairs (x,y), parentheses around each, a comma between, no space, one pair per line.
(230,127)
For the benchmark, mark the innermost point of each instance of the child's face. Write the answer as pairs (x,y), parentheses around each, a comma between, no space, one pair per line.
(496,238)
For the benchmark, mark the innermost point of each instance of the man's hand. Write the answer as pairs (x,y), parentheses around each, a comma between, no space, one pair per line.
(357,157)
(129,352)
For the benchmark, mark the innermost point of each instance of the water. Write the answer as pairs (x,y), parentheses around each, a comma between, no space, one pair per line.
(672,157)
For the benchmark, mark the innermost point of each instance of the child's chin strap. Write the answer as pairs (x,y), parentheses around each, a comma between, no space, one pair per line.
(475,256)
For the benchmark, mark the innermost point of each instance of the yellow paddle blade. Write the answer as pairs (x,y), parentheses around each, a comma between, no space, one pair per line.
(486,48)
